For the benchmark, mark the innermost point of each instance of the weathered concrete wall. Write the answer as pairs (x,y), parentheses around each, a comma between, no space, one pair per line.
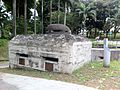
(115,55)
(81,54)
(98,54)
(70,57)
(77,56)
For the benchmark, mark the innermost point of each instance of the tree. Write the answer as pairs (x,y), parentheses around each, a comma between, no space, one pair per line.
(3,18)
(50,11)
(116,17)
(86,13)
(42,17)
(58,11)
(106,9)
(35,17)
(66,2)
(25,17)
(20,7)
(14,17)
(107,26)
(43,8)
(116,23)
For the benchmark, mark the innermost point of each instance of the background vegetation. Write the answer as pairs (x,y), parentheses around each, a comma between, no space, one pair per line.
(3,49)
(91,18)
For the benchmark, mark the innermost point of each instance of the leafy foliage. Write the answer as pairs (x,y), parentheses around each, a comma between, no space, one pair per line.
(82,16)
(3,19)
(3,42)
(20,6)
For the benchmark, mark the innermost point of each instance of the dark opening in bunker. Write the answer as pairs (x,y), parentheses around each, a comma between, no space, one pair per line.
(21,61)
(22,55)
(101,57)
(51,59)
(48,66)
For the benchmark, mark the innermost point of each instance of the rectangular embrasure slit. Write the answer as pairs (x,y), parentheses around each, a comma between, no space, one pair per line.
(22,55)
(51,59)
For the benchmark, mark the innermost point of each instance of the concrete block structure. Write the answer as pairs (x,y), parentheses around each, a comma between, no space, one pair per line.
(58,53)
(49,52)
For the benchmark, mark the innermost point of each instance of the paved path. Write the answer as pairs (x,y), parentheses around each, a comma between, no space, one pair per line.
(18,82)
(6,86)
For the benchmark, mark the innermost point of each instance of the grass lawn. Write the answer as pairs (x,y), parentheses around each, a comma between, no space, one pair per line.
(3,49)
(93,74)
(96,44)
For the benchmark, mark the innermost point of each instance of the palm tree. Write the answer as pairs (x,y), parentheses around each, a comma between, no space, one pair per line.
(42,16)
(58,11)
(1,16)
(85,12)
(14,17)
(65,13)
(66,2)
(35,16)
(25,17)
(50,11)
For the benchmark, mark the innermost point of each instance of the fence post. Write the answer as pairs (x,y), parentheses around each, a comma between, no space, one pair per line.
(106,62)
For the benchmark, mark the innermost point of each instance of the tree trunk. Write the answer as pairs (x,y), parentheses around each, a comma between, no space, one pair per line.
(14,17)
(1,29)
(87,34)
(90,35)
(50,11)
(18,14)
(106,34)
(34,16)
(65,13)
(58,11)
(115,32)
(95,33)
(25,17)
(42,16)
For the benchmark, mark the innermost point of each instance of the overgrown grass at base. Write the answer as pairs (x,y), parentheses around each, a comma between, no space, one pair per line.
(3,49)
(93,74)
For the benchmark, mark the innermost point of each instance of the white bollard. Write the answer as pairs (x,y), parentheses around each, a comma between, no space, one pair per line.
(106,62)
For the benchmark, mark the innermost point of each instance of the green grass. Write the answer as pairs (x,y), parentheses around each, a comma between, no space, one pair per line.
(97,68)
(3,49)
(100,44)
(112,36)
(93,74)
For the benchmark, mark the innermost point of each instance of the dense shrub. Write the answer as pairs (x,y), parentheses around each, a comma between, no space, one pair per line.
(3,42)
